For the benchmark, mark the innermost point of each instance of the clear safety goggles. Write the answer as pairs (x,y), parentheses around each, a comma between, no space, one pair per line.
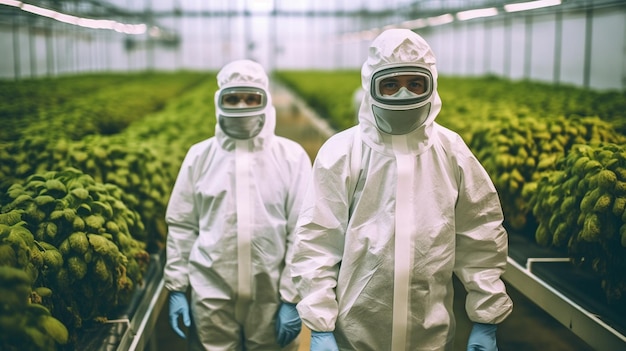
(242,99)
(402,85)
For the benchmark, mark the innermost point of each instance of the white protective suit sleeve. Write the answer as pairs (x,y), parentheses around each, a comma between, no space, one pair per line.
(320,235)
(297,188)
(182,220)
(481,241)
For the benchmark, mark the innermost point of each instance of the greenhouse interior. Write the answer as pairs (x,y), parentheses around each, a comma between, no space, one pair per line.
(102,100)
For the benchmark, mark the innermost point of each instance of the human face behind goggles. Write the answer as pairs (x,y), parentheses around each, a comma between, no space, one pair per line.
(402,85)
(243,98)
(413,83)
(236,99)
(402,98)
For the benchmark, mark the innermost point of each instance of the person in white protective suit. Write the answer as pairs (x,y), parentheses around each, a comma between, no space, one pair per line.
(230,220)
(395,207)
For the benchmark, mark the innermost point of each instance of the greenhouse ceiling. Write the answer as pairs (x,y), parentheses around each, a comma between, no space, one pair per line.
(414,8)
(136,16)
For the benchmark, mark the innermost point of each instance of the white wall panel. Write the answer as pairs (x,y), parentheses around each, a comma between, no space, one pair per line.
(497,46)
(521,48)
(443,46)
(7,65)
(517,46)
(542,48)
(474,42)
(608,49)
(573,44)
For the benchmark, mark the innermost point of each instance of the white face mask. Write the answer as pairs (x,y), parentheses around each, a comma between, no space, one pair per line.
(242,127)
(402,93)
(397,122)
(402,98)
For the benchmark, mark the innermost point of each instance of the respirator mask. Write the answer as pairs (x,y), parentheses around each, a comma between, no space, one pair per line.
(402,98)
(242,111)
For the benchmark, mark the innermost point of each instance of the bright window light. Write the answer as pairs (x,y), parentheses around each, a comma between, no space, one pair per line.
(471,14)
(438,20)
(523,6)
(39,10)
(61,17)
(414,24)
(11,3)
(83,22)
(260,6)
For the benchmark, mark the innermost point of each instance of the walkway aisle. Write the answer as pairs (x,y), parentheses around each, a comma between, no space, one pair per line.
(528,328)
(296,121)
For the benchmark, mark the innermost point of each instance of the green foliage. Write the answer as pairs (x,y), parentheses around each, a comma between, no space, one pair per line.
(587,217)
(26,325)
(85,245)
(77,106)
(517,151)
(68,253)
(142,160)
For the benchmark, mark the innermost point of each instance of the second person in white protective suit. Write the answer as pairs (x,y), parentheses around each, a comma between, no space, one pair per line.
(396,206)
(230,220)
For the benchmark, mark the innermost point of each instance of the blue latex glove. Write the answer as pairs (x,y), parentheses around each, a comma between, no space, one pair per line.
(288,324)
(179,306)
(482,338)
(323,341)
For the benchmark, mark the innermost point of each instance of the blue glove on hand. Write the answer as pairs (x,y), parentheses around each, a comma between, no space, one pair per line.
(482,338)
(179,306)
(288,324)
(323,341)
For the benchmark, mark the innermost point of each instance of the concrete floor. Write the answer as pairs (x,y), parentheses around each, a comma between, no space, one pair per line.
(528,328)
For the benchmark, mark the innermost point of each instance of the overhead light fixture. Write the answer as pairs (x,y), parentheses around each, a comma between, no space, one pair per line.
(471,14)
(38,10)
(61,17)
(531,5)
(11,3)
(79,21)
(260,6)
(414,24)
(439,20)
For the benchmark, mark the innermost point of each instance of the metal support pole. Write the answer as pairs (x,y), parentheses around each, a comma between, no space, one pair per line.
(31,48)
(49,50)
(624,61)
(558,45)
(272,39)
(507,46)
(149,42)
(487,66)
(528,46)
(248,39)
(16,48)
(588,46)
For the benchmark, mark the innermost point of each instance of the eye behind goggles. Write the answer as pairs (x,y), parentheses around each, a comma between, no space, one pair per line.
(242,99)
(387,84)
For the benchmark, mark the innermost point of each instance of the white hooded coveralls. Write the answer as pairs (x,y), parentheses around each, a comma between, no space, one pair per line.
(230,221)
(375,264)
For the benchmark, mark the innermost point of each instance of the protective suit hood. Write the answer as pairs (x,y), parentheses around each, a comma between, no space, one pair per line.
(245,73)
(391,49)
